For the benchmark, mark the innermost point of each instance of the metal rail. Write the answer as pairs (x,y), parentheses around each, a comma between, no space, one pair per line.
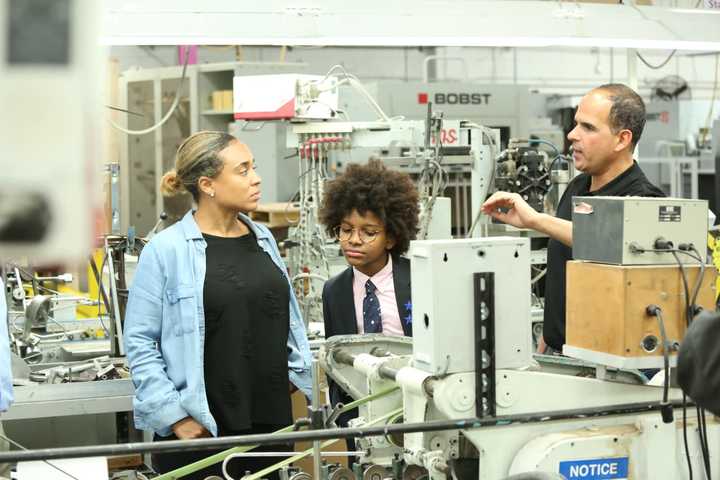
(314,435)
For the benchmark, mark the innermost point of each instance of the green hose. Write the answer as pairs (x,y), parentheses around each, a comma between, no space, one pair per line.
(211,460)
(219,457)
(258,475)
(369,398)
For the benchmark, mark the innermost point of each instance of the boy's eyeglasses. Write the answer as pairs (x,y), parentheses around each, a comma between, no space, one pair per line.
(345,233)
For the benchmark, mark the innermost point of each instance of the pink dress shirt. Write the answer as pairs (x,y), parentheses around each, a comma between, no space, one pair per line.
(383,281)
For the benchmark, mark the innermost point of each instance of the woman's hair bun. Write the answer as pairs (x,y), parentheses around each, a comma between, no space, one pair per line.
(171,184)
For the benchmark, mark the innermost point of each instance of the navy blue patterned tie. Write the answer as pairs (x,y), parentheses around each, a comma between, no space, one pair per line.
(371,310)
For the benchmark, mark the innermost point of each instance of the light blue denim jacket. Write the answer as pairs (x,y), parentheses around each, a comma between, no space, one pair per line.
(6,386)
(165,328)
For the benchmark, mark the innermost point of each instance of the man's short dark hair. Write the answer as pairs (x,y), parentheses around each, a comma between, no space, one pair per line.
(627,111)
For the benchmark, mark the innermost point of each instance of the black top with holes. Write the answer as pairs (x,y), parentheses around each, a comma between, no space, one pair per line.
(246,300)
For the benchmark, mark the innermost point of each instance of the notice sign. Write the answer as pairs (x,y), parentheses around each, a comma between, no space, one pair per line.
(596,469)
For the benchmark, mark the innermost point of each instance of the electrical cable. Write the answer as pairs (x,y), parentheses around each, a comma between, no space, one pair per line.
(659,66)
(117,109)
(493,154)
(558,156)
(688,315)
(707,445)
(702,437)
(544,142)
(354,82)
(687,319)
(538,276)
(433,177)
(685,438)
(666,411)
(700,411)
(552,164)
(700,414)
(169,113)
(689,308)
(358,86)
(101,287)
(702,432)
(101,292)
(635,248)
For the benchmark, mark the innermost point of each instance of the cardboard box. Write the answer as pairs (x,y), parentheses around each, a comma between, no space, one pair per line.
(217,100)
(227,100)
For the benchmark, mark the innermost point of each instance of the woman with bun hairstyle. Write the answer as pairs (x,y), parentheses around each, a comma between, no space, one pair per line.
(213,332)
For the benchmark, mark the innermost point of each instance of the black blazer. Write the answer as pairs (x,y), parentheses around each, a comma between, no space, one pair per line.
(339,301)
(339,316)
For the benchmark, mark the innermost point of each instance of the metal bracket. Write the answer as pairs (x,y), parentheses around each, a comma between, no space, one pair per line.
(484,296)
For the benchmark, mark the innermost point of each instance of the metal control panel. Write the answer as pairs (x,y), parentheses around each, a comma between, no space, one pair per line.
(444,302)
(622,230)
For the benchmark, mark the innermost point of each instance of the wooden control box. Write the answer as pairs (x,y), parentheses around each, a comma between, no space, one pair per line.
(606,318)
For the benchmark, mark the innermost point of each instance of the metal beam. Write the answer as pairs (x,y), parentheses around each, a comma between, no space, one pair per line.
(408,23)
(78,398)
(284,438)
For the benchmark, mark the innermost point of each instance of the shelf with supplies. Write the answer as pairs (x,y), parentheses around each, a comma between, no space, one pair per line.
(205,104)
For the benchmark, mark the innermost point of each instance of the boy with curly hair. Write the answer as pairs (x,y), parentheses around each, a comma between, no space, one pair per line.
(373,212)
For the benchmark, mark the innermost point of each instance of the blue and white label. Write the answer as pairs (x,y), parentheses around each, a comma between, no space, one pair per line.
(596,469)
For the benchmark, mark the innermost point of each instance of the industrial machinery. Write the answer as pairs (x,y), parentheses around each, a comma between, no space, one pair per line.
(471,358)
(473,399)
(625,230)
(453,161)
(321,143)
(648,256)
(465,398)
(515,110)
(525,169)
(458,159)
(429,149)
(536,169)
(61,335)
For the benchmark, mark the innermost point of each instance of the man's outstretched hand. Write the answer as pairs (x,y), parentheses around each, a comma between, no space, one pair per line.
(510,208)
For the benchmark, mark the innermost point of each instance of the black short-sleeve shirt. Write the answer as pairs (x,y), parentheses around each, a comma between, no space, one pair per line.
(632,182)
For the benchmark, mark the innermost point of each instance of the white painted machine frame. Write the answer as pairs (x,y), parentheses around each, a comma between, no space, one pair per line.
(604,418)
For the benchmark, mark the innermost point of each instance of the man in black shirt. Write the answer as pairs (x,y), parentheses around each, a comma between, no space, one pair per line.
(609,122)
